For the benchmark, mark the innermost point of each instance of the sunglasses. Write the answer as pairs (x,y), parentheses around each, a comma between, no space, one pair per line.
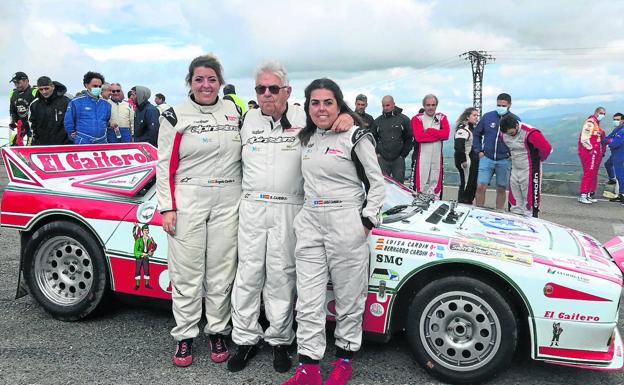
(272,89)
(115,91)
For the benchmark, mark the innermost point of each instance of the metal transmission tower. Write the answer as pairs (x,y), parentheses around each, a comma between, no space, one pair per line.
(478,60)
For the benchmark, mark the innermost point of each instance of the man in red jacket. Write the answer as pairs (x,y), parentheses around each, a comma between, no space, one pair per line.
(430,130)
(591,148)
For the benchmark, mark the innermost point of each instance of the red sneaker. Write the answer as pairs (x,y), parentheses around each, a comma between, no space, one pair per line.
(306,374)
(341,373)
(184,353)
(218,348)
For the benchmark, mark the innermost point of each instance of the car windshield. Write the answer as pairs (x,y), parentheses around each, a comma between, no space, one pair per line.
(396,195)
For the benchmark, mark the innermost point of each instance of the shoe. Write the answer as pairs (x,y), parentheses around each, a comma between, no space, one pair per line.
(619,198)
(341,373)
(239,359)
(612,181)
(305,374)
(218,348)
(583,199)
(591,198)
(147,286)
(281,359)
(183,356)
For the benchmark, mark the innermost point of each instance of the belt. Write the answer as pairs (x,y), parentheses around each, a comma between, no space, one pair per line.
(264,196)
(207,182)
(333,202)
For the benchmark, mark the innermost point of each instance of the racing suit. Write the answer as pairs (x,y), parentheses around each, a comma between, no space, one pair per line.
(616,145)
(464,153)
(429,133)
(272,196)
(528,148)
(87,117)
(591,148)
(330,237)
(199,176)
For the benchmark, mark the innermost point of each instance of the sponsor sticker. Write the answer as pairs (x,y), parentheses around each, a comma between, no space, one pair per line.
(376,309)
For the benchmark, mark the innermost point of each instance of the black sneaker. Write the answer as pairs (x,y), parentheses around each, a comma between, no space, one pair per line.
(239,359)
(218,348)
(281,359)
(611,181)
(184,353)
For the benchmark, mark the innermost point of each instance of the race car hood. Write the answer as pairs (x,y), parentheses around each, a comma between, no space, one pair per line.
(489,232)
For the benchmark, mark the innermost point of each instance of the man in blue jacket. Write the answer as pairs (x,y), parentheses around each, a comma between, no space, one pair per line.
(493,153)
(87,115)
(615,140)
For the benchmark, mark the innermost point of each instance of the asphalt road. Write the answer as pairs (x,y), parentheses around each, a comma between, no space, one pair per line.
(130,343)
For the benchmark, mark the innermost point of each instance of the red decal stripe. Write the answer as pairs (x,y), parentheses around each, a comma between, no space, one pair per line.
(589,355)
(563,292)
(14,220)
(34,203)
(174,162)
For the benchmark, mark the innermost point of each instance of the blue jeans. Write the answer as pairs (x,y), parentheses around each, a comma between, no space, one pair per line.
(488,167)
(126,136)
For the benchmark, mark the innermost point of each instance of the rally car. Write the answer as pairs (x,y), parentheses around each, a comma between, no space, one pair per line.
(465,284)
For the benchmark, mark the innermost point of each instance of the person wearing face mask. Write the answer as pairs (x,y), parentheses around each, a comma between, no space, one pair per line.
(493,154)
(528,148)
(608,165)
(591,148)
(615,141)
(466,161)
(87,115)
(47,113)
(344,192)
(198,185)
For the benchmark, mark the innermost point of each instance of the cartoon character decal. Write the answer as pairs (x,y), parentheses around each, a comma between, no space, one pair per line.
(144,247)
(557,330)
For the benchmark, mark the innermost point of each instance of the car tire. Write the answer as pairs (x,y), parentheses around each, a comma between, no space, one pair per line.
(462,330)
(65,269)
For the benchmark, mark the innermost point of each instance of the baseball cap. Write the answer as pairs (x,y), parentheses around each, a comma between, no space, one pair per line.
(361,97)
(19,75)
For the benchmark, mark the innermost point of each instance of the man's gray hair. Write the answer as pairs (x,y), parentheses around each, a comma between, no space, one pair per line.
(275,68)
(430,96)
(105,86)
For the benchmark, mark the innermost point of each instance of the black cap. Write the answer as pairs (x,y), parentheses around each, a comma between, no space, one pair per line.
(19,75)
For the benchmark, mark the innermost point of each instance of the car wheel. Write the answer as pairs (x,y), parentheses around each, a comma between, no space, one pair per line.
(65,270)
(462,330)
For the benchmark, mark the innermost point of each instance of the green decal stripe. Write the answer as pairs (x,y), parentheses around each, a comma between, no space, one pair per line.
(17,172)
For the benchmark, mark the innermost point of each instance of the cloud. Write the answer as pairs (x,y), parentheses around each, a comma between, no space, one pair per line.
(145,52)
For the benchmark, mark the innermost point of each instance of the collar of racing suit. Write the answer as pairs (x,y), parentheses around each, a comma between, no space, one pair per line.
(284,122)
(205,109)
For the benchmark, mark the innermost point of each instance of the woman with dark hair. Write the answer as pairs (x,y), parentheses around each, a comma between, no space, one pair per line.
(344,191)
(466,161)
(198,183)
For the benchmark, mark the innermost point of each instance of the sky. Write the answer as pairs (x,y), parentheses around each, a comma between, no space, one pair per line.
(549,54)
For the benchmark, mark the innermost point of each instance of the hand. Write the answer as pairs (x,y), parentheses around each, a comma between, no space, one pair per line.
(73,135)
(343,123)
(464,164)
(481,154)
(366,231)
(169,219)
(115,126)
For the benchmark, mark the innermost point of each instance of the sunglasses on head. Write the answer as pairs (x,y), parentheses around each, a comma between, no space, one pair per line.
(272,89)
